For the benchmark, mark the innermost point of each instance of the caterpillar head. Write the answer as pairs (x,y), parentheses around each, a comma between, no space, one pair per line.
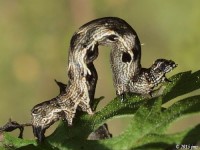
(159,68)
(163,66)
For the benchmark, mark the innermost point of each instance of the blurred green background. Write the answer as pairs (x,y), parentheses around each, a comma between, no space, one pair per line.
(35,36)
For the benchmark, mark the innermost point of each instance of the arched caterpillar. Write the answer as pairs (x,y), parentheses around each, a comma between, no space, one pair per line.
(128,74)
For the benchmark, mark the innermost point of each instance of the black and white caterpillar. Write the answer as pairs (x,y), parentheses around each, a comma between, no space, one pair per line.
(128,74)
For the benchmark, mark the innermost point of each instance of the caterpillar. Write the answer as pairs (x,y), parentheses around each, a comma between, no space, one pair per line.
(125,59)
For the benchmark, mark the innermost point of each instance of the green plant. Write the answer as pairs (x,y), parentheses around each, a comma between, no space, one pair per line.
(147,129)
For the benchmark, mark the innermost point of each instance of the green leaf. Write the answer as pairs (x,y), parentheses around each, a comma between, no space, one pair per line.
(181,84)
(149,120)
(9,142)
(147,129)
